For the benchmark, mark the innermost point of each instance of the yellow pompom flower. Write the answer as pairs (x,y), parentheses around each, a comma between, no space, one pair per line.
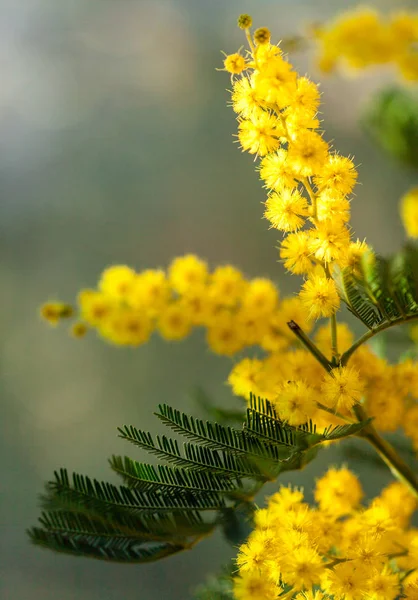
(186,272)
(330,240)
(385,405)
(235,63)
(286,210)
(338,492)
(151,291)
(304,100)
(117,281)
(127,328)
(255,585)
(276,171)
(227,285)
(245,377)
(383,585)
(262,36)
(320,297)
(261,296)
(409,212)
(400,501)
(333,207)
(244,98)
(95,307)
(353,255)
(307,153)
(303,567)
(296,403)
(296,253)
(275,81)
(53,312)
(174,322)
(78,330)
(260,134)
(251,325)
(342,388)
(338,174)
(223,336)
(346,580)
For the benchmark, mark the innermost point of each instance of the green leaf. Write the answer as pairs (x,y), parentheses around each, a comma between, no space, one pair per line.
(382,292)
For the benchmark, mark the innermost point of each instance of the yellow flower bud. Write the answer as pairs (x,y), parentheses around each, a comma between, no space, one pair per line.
(244,21)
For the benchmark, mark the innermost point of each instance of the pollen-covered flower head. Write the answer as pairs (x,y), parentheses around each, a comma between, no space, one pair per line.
(342,388)
(286,210)
(338,492)
(235,63)
(319,295)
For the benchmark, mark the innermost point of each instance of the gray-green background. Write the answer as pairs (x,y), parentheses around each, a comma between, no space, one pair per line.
(116,147)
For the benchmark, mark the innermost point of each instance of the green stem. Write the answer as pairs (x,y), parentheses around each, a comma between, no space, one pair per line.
(308,343)
(371,333)
(334,342)
(398,467)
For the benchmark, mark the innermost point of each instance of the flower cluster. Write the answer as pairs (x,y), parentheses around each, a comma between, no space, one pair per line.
(363,38)
(336,549)
(309,184)
(127,307)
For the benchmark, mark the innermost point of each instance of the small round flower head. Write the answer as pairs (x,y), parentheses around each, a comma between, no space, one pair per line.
(342,388)
(186,272)
(260,134)
(276,171)
(95,307)
(304,100)
(354,254)
(174,322)
(151,291)
(296,403)
(302,568)
(78,330)
(333,207)
(249,586)
(127,328)
(117,281)
(319,295)
(400,501)
(338,174)
(245,377)
(296,253)
(338,492)
(261,296)
(235,63)
(262,36)
(244,21)
(244,98)
(286,210)
(330,240)
(223,336)
(227,285)
(53,312)
(346,580)
(307,153)
(409,212)
(383,584)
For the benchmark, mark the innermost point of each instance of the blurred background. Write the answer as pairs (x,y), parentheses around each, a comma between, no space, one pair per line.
(116,147)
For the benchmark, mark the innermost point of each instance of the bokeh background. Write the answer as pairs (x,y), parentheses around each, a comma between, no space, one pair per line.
(116,147)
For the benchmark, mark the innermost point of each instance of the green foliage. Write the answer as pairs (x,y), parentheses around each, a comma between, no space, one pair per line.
(208,481)
(382,292)
(392,121)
